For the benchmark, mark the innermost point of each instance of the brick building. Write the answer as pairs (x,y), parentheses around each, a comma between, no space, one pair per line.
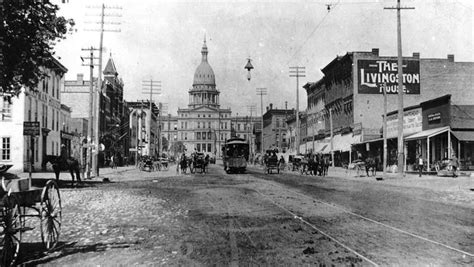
(350,94)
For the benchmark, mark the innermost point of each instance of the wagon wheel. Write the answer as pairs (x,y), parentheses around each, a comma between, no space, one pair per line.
(50,215)
(11,224)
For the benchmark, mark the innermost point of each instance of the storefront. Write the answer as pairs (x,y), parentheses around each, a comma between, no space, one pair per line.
(435,130)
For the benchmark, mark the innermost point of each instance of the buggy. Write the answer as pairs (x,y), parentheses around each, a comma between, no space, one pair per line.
(19,200)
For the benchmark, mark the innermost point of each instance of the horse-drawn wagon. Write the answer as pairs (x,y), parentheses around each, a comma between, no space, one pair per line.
(20,200)
(199,163)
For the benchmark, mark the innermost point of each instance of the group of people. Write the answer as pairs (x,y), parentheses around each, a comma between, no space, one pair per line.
(451,164)
(192,162)
(315,164)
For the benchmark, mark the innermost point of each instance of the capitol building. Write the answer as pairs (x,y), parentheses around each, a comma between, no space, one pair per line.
(204,126)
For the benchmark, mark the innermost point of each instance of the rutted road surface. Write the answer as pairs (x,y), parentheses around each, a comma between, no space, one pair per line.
(255,219)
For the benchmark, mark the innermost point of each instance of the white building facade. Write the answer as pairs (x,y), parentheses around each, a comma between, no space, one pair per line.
(43,105)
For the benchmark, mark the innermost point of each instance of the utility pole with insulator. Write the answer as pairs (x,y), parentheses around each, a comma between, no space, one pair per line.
(261,92)
(102,22)
(151,87)
(251,109)
(297,72)
(91,65)
(401,145)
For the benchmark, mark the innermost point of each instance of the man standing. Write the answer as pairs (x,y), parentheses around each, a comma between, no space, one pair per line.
(454,163)
(420,164)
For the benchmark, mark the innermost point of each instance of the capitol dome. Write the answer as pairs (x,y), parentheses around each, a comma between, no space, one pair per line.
(204,74)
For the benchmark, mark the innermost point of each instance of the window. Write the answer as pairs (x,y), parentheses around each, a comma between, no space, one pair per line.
(209,124)
(203,136)
(209,147)
(6,110)
(199,125)
(6,148)
(52,124)
(185,136)
(186,125)
(225,125)
(198,147)
(238,126)
(209,135)
(36,109)
(198,136)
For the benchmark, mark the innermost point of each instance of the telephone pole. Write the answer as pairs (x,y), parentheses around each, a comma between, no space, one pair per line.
(251,109)
(162,107)
(102,22)
(91,65)
(151,87)
(297,72)
(401,146)
(261,92)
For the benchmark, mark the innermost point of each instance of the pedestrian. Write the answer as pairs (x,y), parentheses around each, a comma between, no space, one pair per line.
(420,164)
(112,161)
(454,163)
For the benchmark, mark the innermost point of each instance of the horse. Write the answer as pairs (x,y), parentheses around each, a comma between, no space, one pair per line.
(324,166)
(370,165)
(62,164)
(183,163)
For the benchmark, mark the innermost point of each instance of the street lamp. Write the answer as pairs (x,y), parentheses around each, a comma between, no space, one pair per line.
(248,67)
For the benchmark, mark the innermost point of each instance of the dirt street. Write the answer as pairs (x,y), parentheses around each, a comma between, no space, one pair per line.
(255,219)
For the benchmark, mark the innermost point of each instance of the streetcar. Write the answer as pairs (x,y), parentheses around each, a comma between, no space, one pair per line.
(235,155)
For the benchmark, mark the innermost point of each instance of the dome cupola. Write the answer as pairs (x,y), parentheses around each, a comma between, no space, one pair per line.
(204,74)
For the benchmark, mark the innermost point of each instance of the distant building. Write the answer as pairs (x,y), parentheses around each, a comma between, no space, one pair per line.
(275,128)
(204,125)
(113,111)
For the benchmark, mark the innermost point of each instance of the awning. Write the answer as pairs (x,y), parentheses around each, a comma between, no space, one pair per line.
(344,142)
(464,135)
(427,133)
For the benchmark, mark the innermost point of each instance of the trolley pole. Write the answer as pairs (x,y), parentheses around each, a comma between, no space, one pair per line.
(297,72)
(401,146)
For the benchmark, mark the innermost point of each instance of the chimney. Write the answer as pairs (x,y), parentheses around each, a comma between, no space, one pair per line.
(450,57)
(271,106)
(286,104)
(416,55)
(375,51)
(80,78)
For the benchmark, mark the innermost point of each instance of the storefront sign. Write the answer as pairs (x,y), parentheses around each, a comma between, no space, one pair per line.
(434,118)
(412,123)
(377,75)
(31,128)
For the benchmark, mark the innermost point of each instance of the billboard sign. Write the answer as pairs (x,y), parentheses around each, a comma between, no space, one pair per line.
(376,75)
(412,123)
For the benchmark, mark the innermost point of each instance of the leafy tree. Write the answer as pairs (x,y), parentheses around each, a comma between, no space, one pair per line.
(29,31)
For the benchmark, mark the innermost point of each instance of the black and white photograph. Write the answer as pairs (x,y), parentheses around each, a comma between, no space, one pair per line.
(237,133)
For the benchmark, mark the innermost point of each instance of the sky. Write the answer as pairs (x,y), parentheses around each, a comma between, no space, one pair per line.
(161,40)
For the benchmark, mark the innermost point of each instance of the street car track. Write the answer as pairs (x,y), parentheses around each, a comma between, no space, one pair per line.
(334,206)
(234,249)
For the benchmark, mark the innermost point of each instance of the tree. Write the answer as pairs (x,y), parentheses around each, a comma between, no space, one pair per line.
(30,30)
